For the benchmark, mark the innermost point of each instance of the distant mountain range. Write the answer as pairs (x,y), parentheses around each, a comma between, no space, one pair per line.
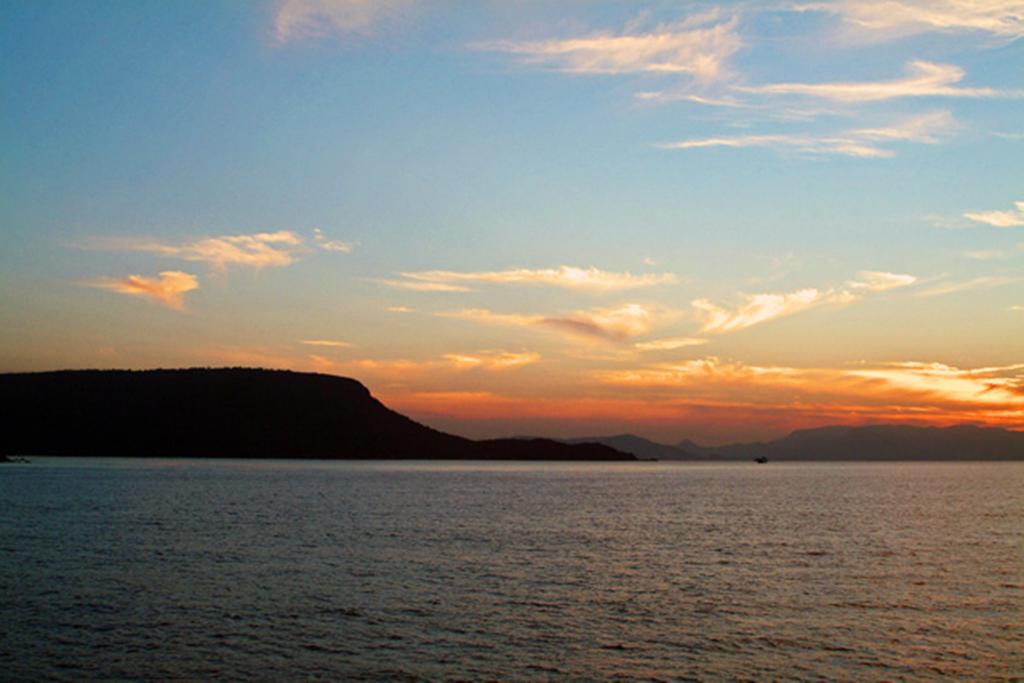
(232,412)
(238,412)
(874,442)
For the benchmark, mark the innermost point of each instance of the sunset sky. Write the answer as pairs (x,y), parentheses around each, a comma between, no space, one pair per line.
(717,221)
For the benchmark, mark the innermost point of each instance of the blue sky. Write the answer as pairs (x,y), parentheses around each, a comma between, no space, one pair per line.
(684,219)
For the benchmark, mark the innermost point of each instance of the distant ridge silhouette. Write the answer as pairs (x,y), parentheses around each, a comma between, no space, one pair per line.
(233,412)
(840,442)
(641,447)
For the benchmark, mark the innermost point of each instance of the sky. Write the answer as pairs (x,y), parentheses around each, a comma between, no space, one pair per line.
(714,221)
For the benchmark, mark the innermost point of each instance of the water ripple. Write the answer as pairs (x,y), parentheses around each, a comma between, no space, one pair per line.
(470,571)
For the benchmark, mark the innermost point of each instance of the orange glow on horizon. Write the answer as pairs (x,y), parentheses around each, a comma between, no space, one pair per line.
(674,419)
(500,392)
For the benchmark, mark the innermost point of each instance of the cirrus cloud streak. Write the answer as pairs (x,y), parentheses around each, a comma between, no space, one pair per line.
(332,343)
(168,289)
(429,370)
(697,46)
(860,142)
(613,324)
(1013,218)
(916,388)
(761,308)
(897,18)
(256,250)
(567,277)
(923,79)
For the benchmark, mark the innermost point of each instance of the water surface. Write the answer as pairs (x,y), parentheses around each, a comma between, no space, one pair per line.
(282,570)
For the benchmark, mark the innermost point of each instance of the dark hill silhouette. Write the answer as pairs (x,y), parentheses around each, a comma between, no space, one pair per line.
(640,447)
(873,442)
(232,412)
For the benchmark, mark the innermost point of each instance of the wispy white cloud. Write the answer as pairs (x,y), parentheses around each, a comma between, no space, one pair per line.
(333,343)
(306,19)
(925,128)
(399,371)
(492,359)
(861,142)
(569,277)
(808,144)
(686,94)
(698,46)
(755,309)
(489,317)
(420,286)
(258,250)
(802,142)
(880,281)
(988,254)
(1003,19)
(633,320)
(923,79)
(168,289)
(669,343)
(1013,218)
(254,250)
(613,324)
(930,390)
(952,287)
(328,244)
(1002,384)
(760,308)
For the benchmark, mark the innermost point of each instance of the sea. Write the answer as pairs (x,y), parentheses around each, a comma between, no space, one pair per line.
(427,570)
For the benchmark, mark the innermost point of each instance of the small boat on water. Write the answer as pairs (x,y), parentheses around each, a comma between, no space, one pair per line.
(760,460)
